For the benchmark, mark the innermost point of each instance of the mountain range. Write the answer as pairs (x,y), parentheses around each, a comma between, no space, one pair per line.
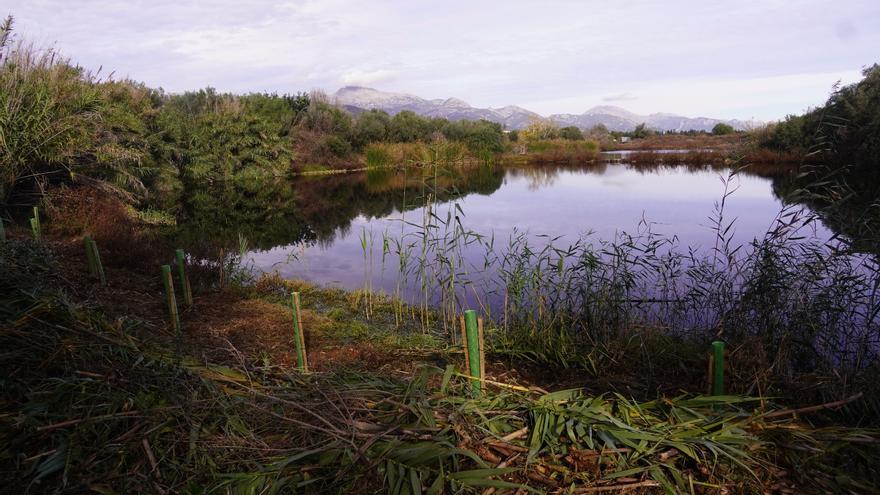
(357,99)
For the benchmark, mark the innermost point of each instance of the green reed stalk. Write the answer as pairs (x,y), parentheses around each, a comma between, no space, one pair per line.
(90,257)
(718,371)
(168,282)
(184,281)
(475,358)
(299,341)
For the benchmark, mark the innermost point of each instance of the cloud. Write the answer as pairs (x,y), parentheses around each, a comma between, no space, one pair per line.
(357,76)
(620,97)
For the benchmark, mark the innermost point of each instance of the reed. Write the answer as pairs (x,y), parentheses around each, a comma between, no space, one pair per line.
(170,300)
(298,334)
(786,302)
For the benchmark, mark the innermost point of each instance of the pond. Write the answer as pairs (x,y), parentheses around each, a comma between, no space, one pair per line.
(350,230)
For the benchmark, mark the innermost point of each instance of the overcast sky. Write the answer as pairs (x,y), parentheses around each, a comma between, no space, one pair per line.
(743,59)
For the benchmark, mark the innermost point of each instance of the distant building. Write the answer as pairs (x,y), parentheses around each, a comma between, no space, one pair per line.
(624,139)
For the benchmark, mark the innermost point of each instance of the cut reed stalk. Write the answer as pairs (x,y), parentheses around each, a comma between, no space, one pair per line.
(298,334)
(473,349)
(718,374)
(36,228)
(168,282)
(184,280)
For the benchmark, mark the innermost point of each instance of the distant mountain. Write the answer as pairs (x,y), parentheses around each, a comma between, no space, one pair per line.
(618,119)
(357,98)
(511,116)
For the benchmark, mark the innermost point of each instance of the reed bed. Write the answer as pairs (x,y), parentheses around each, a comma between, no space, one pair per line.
(562,151)
(800,314)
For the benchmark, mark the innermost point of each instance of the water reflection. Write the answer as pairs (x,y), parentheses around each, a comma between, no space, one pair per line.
(313,227)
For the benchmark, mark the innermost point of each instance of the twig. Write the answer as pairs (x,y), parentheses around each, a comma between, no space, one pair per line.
(71,422)
(503,464)
(809,409)
(151,458)
(616,488)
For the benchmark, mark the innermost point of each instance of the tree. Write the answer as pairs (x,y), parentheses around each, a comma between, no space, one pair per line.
(539,129)
(721,129)
(571,133)
(641,131)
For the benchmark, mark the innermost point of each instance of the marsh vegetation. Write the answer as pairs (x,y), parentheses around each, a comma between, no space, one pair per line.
(101,394)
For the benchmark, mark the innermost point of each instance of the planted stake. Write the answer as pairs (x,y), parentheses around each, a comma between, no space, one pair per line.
(473,350)
(467,361)
(184,281)
(35,224)
(298,337)
(718,372)
(168,282)
(98,265)
(90,257)
(2,231)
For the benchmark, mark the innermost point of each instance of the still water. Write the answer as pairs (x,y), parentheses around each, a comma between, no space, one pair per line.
(337,228)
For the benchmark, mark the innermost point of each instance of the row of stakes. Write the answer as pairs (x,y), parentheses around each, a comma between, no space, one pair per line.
(471,325)
(36,228)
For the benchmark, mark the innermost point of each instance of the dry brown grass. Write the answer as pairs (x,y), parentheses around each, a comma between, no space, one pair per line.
(85,211)
(695,157)
(726,142)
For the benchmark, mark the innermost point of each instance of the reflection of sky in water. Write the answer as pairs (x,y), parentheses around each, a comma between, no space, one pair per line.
(677,201)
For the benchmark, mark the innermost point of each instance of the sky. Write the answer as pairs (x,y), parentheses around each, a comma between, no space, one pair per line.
(745,59)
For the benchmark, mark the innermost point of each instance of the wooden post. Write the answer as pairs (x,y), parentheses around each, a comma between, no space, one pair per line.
(482,348)
(718,372)
(467,359)
(299,340)
(184,281)
(168,282)
(473,349)
(98,265)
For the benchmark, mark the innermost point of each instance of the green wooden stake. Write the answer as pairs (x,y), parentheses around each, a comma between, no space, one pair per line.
(298,337)
(2,231)
(99,267)
(718,372)
(35,224)
(168,282)
(473,349)
(90,257)
(184,281)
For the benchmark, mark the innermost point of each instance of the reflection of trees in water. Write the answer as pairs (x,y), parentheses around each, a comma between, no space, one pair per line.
(847,205)
(316,209)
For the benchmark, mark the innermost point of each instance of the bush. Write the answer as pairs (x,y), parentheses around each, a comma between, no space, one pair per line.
(571,133)
(338,146)
(721,129)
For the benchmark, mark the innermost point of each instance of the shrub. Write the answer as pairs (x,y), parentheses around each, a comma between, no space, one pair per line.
(571,133)
(721,129)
